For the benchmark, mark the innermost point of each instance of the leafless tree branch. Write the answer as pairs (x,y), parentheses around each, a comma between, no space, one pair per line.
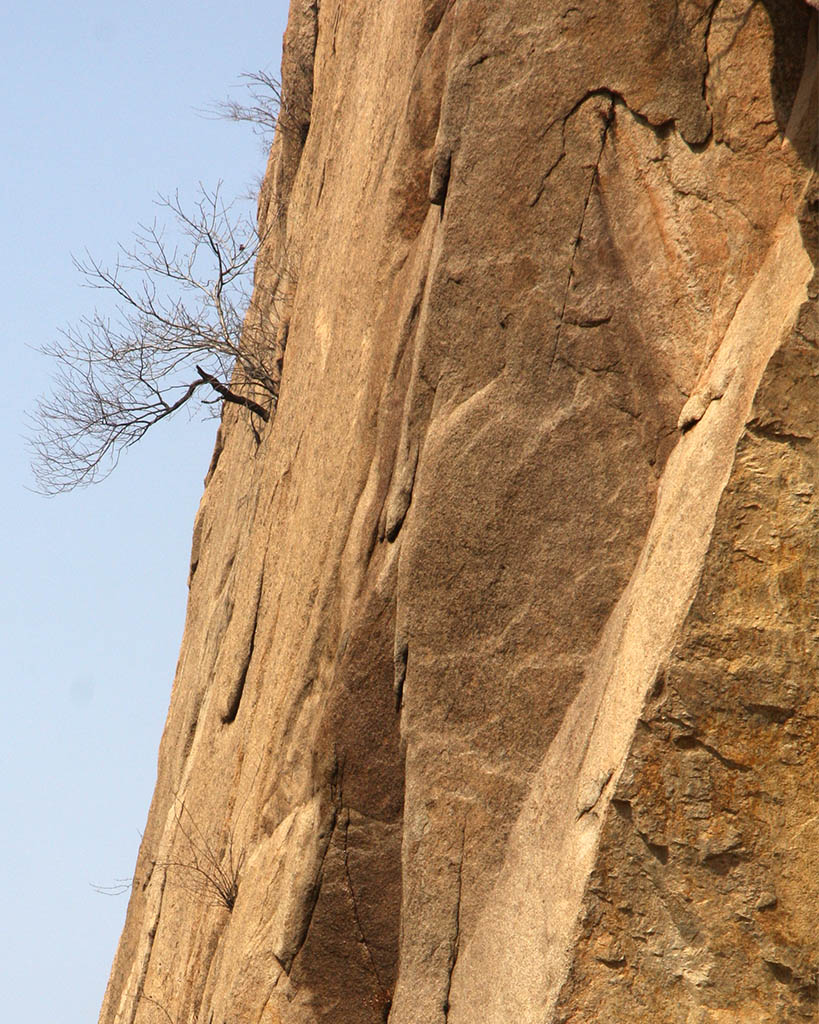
(119,886)
(178,335)
(159,1006)
(267,108)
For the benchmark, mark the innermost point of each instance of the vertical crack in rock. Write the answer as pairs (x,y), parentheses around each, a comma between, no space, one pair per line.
(362,938)
(439,178)
(232,708)
(286,960)
(709,20)
(400,496)
(455,941)
(400,658)
(608,119)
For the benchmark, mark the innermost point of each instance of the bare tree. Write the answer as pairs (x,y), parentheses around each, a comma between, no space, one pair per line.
(178,339)
(265,109)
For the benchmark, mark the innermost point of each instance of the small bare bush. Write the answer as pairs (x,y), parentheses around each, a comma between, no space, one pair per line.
(203,871)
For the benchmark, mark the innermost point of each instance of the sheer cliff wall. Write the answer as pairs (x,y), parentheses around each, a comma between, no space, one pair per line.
(496,700)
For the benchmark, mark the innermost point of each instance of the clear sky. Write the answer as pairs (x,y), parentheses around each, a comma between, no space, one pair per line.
(100,115)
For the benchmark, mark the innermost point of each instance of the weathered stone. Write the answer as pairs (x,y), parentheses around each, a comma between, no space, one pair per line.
(496,691)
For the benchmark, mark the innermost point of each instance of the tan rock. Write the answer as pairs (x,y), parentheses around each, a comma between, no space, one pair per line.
(496,682)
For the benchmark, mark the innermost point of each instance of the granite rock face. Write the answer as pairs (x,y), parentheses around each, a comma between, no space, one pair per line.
(496,700)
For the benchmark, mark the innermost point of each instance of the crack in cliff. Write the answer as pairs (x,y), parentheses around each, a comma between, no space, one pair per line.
(546,175)
(709,20)
(689,740)
(428,29)
(658,128)
(313,898)
(232,709)
(400,660)
(314,10)
(607,123)
(692,742)
(400,498)
(772,432)
(336,21)
(455,941)
(357,918)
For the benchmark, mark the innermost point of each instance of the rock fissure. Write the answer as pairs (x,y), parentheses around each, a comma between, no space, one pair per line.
(235,699)
(400,659)
(455,940)
(778,434)
(660,129)
(709,21)
(608,120)
(312,899)
(691,742)
(356,916)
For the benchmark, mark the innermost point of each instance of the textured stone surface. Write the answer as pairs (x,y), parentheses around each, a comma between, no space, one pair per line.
(702,900)
(496,689)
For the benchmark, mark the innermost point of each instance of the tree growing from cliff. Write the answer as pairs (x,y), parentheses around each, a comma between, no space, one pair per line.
(265,108)
(179,338)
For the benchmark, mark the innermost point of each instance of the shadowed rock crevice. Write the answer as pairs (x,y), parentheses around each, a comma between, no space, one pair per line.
(455,941)
(790,23)
(607,117)
(235,698)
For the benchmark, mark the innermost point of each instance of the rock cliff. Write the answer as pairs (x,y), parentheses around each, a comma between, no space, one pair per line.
(496,697)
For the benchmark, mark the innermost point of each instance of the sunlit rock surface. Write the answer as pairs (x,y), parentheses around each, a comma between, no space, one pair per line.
(496,700)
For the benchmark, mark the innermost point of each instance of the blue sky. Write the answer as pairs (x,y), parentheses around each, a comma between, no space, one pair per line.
(100,116)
